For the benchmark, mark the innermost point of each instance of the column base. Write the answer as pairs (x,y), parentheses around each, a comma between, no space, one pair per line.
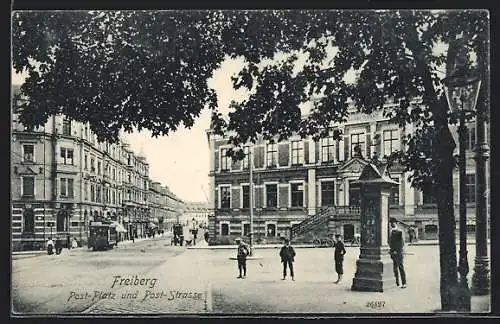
(481,277)
(374,275)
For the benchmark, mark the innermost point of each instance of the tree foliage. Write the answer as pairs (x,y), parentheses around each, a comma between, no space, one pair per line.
(149,69)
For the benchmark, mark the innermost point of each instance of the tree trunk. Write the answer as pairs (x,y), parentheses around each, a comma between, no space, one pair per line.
(443,146)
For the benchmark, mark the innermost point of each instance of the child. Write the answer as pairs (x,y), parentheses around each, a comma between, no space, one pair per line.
(339,257)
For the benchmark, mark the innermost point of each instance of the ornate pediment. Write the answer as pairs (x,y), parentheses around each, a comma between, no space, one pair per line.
(354,165)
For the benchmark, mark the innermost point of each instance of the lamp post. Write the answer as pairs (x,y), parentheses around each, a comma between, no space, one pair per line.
(462,89)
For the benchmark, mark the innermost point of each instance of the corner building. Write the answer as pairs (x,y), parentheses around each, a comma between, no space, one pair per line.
(298,178)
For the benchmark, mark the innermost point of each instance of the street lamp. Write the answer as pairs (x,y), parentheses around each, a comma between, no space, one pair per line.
(462,89)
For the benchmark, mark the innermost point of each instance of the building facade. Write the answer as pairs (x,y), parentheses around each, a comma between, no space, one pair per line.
(196,214)
(62,178)
(165,206)
(298,178)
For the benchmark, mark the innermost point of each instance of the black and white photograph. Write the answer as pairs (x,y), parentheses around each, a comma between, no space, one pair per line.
(250,162)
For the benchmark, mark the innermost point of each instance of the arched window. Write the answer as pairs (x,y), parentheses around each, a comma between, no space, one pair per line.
(29,220)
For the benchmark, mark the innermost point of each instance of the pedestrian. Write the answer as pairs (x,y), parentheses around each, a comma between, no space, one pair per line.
(411,234)
(50,246)
(207,236)
(58,246)
(287,255)
(74,243)
(339,257)
(242,253)
(396,250)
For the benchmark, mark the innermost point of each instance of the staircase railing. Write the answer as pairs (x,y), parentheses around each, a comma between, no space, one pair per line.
(313,221)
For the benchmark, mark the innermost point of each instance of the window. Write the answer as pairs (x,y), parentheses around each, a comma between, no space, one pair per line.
(29,220)
(28,186)
(225,196)
(98,167)
(66,187)
(327,149)
(85,162)
(428,194)
(28,153)
(357,141)
(391,142)
(66,156)
(354,194)
(92,164)
(297,152)
(92,193)
(394,195)
(66,127)
(271,230)
(98,194)
(470,138)
(245,189)
(272,195)
(327,193)
(470,188)
(86,132)
(224,229)
(272,155)
(86,191)
(246,229)
(297,190)
(246,159)
(224,159)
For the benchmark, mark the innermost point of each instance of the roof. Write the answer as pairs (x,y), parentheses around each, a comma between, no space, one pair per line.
(376,174)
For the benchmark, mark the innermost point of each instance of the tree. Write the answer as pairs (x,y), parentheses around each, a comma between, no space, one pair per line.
(150,71)
(393,52)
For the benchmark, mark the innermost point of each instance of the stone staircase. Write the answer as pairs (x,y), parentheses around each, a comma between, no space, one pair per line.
(317,223)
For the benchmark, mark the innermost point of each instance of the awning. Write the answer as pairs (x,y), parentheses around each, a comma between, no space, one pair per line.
(119,227)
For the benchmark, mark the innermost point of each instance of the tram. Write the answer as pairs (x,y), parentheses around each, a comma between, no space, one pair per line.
(102,235)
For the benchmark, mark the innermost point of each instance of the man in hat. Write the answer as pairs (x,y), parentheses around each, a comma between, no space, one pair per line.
(396,245)
(339,257)
(241,256)
(287,255)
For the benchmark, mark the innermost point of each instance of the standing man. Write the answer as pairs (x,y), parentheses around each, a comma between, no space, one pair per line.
(241,256)
(396,245)
(339,257)
(287,255)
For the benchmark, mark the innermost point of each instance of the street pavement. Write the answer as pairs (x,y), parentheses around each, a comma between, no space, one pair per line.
(204,281)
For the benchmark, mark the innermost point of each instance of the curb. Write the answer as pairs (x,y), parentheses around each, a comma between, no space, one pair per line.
(230,247)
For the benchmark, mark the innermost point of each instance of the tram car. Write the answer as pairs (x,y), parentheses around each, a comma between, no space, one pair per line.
(102,235)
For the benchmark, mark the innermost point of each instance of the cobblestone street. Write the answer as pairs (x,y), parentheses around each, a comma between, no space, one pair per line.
(204,281)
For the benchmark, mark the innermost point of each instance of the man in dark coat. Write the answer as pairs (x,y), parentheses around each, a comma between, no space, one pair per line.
(241,256)
(287,255)
(339,257)
(396,245)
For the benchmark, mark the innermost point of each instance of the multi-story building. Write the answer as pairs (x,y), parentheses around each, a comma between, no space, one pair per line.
(165,207)
(62,178)
(298,178)
(196,214)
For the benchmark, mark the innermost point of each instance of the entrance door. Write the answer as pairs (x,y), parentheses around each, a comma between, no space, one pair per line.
(348,232)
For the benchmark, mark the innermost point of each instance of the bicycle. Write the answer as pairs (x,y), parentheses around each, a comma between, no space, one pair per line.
(356,240)
(323,242)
